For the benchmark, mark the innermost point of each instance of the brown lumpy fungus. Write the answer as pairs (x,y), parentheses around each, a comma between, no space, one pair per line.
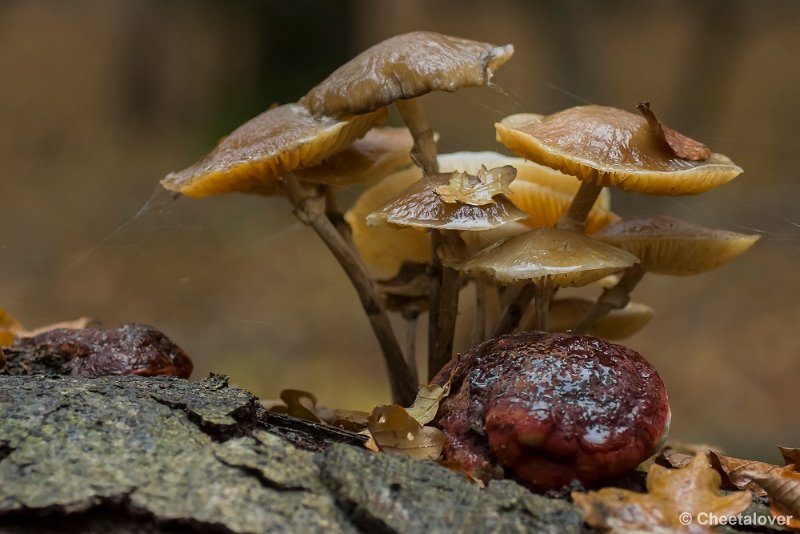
(551,408)
(129,349)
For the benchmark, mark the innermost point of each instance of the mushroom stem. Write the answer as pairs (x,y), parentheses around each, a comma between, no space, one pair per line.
(424,150)
(309,207)
(578,211)
(544,290)
(613,298)
(445,284)
(335,215)
(411,343)
(512,313)
(479,328)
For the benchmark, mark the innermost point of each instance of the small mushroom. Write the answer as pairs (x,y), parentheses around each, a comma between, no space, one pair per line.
(605,146)
(567,313)
(425,205)
(261,156)
(542,259)
(664,245)
(551,408)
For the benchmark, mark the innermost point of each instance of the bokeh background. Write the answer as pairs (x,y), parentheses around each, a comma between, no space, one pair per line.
(99,99)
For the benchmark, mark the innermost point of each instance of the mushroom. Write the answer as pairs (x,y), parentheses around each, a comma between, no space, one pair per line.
(605,146)
(399,70)
(551,408)
(664,245)
(540,260)
(261,156)
(567,313)
(450,201)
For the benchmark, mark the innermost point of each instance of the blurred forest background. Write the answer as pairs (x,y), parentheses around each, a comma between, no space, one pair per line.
(99,99)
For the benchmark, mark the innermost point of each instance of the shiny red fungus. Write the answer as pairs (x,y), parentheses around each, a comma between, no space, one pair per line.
(129,349)
(550,408)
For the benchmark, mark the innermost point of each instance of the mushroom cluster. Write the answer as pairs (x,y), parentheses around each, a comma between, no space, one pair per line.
(521,230)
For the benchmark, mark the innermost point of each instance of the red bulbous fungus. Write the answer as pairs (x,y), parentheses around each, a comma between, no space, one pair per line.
(550,408)
(129,349)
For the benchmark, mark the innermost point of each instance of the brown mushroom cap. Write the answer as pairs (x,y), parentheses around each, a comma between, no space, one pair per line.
(405,66)
(611,147)
(380,152)
(566,314)
(541,192)
(255,155)
(667,245)
(568,258)
(421,206)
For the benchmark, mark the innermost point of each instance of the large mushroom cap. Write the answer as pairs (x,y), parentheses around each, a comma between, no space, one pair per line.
(425,205)
(568,258)
(255,155)
(612,147)
(551,408)
(667,245)
(566,314)
(405,66)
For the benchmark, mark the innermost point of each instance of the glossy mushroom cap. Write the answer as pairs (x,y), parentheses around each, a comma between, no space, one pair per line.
(255,155)
(425,205)
(380,152)
(551,408)
(568,258)
(405,66)
(541,192)
(612,147)
(667,245)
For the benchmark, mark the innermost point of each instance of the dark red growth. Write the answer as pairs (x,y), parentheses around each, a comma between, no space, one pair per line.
(129,349)
(552,408)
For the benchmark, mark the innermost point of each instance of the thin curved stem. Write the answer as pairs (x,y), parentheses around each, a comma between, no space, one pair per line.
(445,285)
(479,328)
(512,313)
(424,149)
(411,343)
(309,207)
(613,298)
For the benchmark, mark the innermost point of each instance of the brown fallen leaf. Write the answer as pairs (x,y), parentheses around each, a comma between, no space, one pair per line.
(298,403)
(783,488)
(790,456)
(672,493)
(478,190)
(303,405)
(394,430)
(735,472)
(398,429)
(680,145)
(10,328)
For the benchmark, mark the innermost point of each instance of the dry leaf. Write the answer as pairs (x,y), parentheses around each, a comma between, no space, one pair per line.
(671,492)
(783,487)
(735,471)
(790,456)
(682,146)
(298,403)
(394,430)
(10,328)
(352,420)
(477,190)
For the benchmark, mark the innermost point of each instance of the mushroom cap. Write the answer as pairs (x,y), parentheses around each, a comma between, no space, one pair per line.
(385,248)
(541,192)
(568,258)
(380,152)
(477,241)
(611,147)
(254,156)
(667,245)
(567,313)
(405,66)
(420,206)
(551,408)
